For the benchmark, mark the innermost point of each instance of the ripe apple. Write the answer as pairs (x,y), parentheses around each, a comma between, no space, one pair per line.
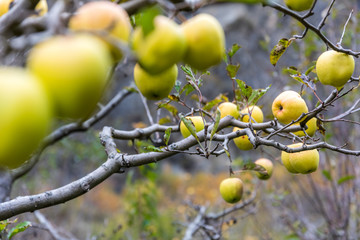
(231,190)
(103,17)
(205,41)
(256,114)
(335,68)
(41,7)
(242,142)
(155,86)
(74,70)
(299,5)
(268,165)
(312,126)
(25,116)
(228,108)
(161,48)
(301,162)
(198,123)
(288,106)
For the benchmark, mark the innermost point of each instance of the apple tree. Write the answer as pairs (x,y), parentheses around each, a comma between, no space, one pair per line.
(61,63)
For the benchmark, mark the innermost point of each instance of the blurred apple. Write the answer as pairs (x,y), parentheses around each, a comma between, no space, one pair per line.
(41,7)
(288,106)
(197,121)
(163,47)
(228,108)
(155,86)
(103,17)
(25,116)
(269,167)
(205,41)
(299,5)
(242,142)
(301,162)
(335,68)
(256,114)
(74,70)
(231,190)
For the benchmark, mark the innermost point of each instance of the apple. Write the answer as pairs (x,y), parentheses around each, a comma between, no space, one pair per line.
(25,116)
(74,70)
(299,5)
(231,190)
(205,41)
(312,127)
(300,162)
(155,86)
(335,68)
(268,165)
(103,17)
(163,47)
(197,121)
(228,108)
(242,142)
(288,106)
(41,7)
(256,114)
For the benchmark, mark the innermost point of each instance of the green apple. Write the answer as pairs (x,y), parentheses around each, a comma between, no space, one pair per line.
(335,68)
(74,70)
(163,47)
(197,121)
(242,142)
(205,41)
(231,190)
(288,106)
(25,116)
(312,127)
(228,108)
(299,5)
(302,162)
(155,86)
(41,7)
(268,165)
(103,17)
(256,114)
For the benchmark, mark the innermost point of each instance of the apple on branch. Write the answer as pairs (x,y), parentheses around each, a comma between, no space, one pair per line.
(231,190)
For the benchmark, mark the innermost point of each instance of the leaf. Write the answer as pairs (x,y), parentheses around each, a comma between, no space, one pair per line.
(232,70)
(145,19)
(131,89)
(278,50)
(187,70)
(310,69)
(208,106)
(243,92)
(256,95)
(168,107)
(190,126)
(167,136)
(345,179)
(235,47)
(291,71)
(18,229)
(174,98)
(164,120)
(151,148)
(177,86)
(3,225)
(216,124)
(188,88)
(327,174)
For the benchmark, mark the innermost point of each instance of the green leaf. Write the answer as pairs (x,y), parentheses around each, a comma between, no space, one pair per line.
(327,174)
(291,71)
(188,88)
(167,136)
(177,86)
(310,69)
(243,91)
(131,89)
(3,225)
(216,124)
(345,179)
(18,229)
(232,70)
(168,107)
(235,47)
(190,126)
(145,19)
(164,120)
(151,148)
(278,50)
(187,70)
(256,95)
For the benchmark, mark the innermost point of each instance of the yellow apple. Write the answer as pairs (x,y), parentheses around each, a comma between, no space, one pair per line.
(231,190)
(197,121)
(334,68)
(288,106)
(103,17)
(268,165)
(74,70)
(228,108)
(256,114)
(25,116)
(41,7)
(155,86)
(301,162)
(285,160)
(205,41)
(312,127)
(299,5)
(163,47)
(242,142)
